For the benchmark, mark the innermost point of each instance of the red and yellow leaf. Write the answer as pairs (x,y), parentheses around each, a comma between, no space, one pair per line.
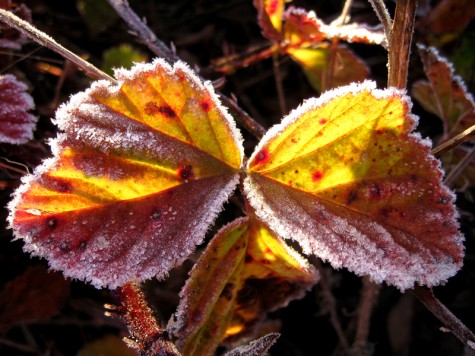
(445,94)
(269,17)
(345,177)
(245,272)
(141,171)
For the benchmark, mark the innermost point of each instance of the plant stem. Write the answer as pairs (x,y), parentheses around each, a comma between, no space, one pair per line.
(344,17)
(427,297)
(369,296)
(454,141)
(455,172)
(383,15)
(43,39)
(400,43)
(142,31)
(278,84)
(331,305)
(151,339)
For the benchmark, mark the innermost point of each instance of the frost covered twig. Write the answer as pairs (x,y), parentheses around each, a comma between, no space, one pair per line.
(383,15)
(142,31)
(450,321)
(454,141)
(43,39)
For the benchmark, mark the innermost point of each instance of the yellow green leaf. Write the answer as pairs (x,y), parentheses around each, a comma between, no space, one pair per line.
(245,272)
(123,56)
(140,172)
(345,177)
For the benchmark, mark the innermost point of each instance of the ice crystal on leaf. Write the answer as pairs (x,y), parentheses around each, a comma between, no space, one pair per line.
(347,179)
(245,272)
(137,177)
(16,123)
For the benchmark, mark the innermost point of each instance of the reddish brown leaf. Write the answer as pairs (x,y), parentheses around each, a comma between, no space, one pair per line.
(36,294)
(9,37)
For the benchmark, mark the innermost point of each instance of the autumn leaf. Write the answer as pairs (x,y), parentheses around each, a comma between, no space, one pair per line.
(245,272)
(9,37)
(445,94)
(343,68)
(137,177)
(16,123)
(123,56)
(269,17)
(450,16)
(345,177)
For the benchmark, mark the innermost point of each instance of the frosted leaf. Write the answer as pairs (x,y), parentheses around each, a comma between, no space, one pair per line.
(139,174)
(344,177)
(245,272)
(445,94)
(9,37)
(257,347)
(16,123)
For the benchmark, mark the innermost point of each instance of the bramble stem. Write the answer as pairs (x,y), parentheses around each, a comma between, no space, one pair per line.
(427,297)
(344,17)
(142,31)
(45,40)
(369,296)
(454,141)
(400,43)
(331,305)
(150,338)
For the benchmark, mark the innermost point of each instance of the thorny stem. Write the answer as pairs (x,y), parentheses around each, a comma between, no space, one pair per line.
(383,15)
(369,296)
(43,39)
(454,141)
(142,31)
(400,43)
(145,34)
(147,334)
(426,296)
(331,305)
(455,172)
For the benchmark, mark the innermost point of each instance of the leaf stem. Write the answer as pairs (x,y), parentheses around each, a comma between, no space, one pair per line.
(400,43)
(45,40)
(427,297)
(454,141)
(149,337)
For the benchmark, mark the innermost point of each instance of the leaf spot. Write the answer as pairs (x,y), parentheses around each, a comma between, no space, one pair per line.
(352,196)
(205,105)
(186,172)
(262,156)
(317,176)
(52,222)
(322,121)
(151,108)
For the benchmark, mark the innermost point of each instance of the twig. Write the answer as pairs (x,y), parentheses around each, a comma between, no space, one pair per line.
(400,43)
(142,31)
(148,336)
(344,17)
(464,162)
(383,15)
(43,39)
(278,85)
(331,305)
(454,141)
(369,296)
(251,125)
(451,322)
